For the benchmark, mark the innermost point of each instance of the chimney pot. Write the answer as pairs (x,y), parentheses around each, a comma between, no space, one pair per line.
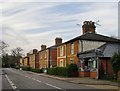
(43,47)
(34,51)
(88,27)
(58,40)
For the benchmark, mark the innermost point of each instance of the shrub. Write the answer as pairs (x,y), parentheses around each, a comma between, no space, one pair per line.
(115,61)
(26,68)
(70,71)
(62,71)
(73,70)
(52,71)
(36,70)
(72,67)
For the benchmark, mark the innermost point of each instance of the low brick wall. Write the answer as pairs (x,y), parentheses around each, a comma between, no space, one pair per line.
(84,74)
(118,76)
(93,75)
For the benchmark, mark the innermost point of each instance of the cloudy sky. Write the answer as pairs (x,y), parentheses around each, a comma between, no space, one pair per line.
(30,24)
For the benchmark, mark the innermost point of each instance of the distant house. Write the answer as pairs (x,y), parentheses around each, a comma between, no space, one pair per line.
(26,61)
(32,58)
(21,62)
(43,57)
(48,56)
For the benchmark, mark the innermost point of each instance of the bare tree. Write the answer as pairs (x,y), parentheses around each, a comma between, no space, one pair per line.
(17,54)
(3,53)
(3,47)
(17,51)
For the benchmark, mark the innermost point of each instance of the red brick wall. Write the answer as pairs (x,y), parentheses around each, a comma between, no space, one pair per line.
(53,54)
(84,74)
(107,65)
(42,60)
(72,56)
(93,75)
(53,57)
(61,57)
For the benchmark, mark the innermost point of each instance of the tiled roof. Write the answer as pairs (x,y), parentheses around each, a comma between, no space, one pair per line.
(54,46)
(95,37)
(107,50)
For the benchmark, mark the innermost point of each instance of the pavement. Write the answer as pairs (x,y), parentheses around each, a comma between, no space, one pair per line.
(79,80)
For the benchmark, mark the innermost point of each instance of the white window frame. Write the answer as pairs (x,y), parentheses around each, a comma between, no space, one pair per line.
(61,50)
(72,48)
(94,64)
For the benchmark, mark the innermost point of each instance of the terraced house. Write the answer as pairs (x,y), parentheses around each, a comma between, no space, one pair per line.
(48,56)
(21,62)
(67,51)
(26,61)
(32,58)
(43,57)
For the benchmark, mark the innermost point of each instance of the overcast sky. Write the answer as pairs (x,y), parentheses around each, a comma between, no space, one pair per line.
(30,24)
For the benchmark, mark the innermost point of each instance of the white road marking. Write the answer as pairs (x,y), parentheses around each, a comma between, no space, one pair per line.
(52,86)
(33,79)
(11,83)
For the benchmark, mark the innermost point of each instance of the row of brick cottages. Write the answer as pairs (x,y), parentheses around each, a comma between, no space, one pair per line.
(88,51)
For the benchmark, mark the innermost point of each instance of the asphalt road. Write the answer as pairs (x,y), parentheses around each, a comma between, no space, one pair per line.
(21,80)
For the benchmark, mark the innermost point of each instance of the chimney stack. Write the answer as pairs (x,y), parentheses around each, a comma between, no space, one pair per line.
(28,54)
(43,47)
(88,27)
(35,51)
(58,40)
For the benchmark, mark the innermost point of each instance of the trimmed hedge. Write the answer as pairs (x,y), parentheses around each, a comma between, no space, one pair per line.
(61,71)
(37,70)
(70,71)
(26,68)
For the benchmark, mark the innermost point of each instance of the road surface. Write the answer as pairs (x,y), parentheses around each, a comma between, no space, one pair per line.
(19,80)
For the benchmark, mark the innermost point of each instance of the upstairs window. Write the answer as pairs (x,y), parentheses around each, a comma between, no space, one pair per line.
(61,50)
(72,48)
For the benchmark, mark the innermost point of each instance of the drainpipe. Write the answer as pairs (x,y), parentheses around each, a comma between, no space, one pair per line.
(66,57)
(97,67)
(35,60)
(48,58)
(98,53)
